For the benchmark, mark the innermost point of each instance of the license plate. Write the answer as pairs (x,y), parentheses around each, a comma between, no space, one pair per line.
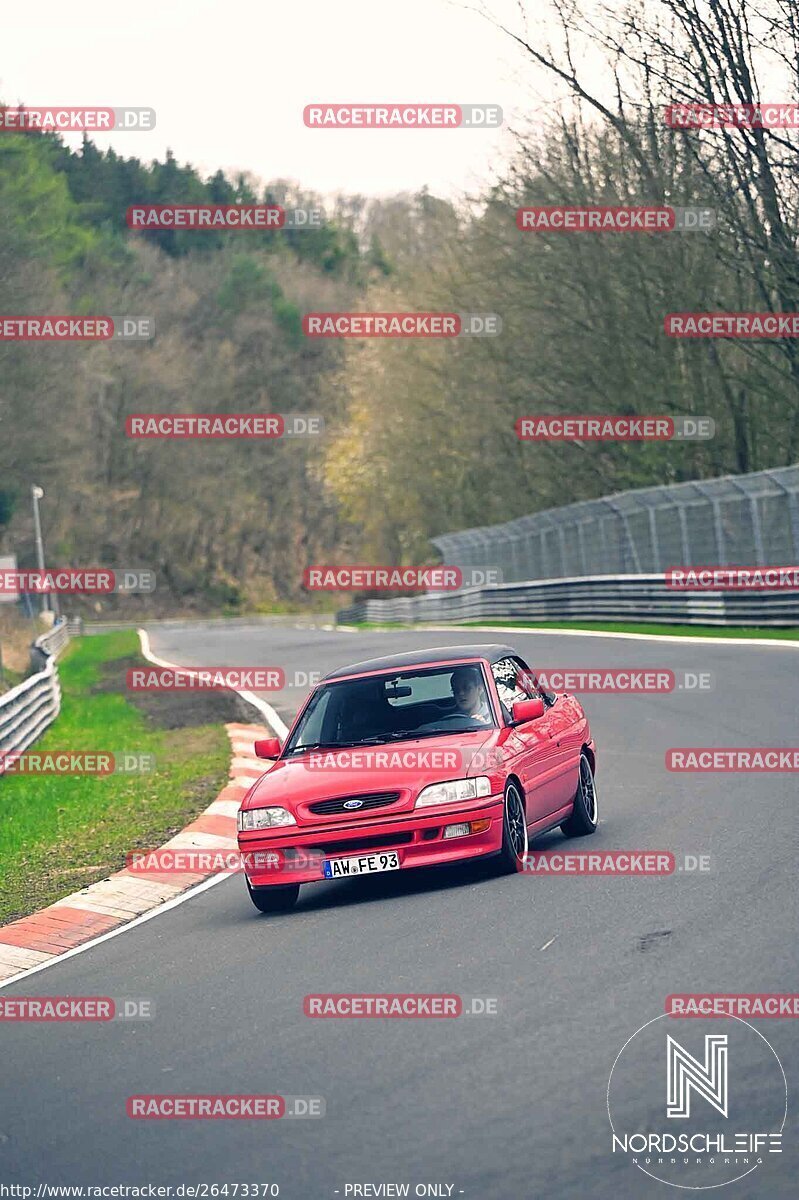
(365,864)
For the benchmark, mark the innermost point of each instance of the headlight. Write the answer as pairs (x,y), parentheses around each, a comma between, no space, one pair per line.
(264,818)
(454,791)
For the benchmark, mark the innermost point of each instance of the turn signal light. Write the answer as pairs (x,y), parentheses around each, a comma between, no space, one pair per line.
(466,827)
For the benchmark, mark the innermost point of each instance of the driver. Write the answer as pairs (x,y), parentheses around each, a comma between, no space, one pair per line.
(470,694)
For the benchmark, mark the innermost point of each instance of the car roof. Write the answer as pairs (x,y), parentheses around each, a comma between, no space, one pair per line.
(415,658)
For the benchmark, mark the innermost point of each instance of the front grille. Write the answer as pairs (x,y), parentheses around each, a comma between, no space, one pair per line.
(370,843)
(375,800)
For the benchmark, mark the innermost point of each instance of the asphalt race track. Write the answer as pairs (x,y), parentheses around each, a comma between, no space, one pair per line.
(494,1106)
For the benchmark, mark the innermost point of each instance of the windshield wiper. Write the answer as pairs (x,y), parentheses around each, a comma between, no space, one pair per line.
(322,746)
(423,733)
(376,739)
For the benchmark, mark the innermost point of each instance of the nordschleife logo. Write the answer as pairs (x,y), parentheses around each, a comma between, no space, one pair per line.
(700,1110)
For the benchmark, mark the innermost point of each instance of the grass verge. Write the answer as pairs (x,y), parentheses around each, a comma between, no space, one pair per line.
(60,833)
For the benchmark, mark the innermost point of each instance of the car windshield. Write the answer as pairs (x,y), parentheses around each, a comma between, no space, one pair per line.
(424,702)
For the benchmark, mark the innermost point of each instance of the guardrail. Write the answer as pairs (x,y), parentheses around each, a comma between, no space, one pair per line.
(56,639)
(28,709)
(636,598)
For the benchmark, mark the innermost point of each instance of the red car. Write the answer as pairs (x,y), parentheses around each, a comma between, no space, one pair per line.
(436,756)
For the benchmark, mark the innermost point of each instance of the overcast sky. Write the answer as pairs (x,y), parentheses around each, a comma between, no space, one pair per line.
(229,80)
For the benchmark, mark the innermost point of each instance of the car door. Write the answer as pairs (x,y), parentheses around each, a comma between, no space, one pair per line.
(567,726)
(535,753)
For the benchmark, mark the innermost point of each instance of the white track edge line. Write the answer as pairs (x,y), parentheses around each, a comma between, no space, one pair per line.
(104,937)
(277,725)
(266,710)
(775,643)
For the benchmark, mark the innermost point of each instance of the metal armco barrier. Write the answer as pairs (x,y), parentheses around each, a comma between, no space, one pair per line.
(56,639)
(636,598)
(28,709)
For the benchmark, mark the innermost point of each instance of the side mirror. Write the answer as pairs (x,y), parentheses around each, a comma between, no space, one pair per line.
(526,710)
(267,747)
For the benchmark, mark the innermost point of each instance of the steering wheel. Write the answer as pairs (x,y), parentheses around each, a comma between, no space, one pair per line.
(456,716)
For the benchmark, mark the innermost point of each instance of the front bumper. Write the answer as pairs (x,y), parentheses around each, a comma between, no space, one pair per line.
(295,854)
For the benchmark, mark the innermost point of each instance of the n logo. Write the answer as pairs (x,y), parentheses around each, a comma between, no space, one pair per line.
(708,1079)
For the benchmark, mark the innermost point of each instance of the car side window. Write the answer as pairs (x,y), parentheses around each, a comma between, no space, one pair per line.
(506,676)
(528,680)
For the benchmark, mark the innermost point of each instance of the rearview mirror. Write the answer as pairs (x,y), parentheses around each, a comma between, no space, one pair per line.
(267,747)
(527,710)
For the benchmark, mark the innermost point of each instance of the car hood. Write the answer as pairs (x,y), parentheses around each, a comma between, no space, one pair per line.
(406,768)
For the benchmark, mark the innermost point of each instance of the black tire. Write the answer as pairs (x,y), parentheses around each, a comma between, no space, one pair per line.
(274,899)
(514,833)
(585,814)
